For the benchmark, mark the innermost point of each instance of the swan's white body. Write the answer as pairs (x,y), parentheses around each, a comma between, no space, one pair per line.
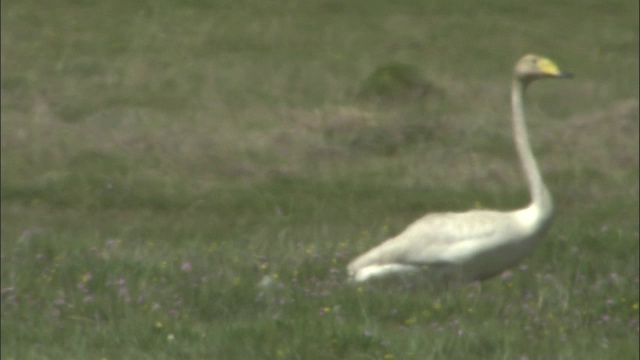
(476,244)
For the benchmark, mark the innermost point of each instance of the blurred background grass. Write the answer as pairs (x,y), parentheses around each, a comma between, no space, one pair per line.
(161,159)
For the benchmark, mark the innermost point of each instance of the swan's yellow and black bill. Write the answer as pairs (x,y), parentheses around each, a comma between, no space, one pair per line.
(550,68)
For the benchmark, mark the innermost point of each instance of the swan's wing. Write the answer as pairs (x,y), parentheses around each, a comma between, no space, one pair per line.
(453,237)
(443,238)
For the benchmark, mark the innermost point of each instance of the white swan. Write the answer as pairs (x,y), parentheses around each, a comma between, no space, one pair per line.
(476,244)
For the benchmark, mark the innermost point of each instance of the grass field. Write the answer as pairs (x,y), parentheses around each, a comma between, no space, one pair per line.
(189,179)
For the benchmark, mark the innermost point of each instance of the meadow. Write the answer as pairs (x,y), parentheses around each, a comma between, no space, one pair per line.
(189,179)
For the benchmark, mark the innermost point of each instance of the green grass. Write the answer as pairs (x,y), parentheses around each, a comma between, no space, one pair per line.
(162,159)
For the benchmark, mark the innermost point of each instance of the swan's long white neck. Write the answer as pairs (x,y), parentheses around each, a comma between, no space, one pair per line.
(540,197)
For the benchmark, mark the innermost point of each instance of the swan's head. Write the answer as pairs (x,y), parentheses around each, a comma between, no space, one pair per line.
(531,67)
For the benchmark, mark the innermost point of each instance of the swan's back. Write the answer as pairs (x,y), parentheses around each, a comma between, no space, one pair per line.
(474,244)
